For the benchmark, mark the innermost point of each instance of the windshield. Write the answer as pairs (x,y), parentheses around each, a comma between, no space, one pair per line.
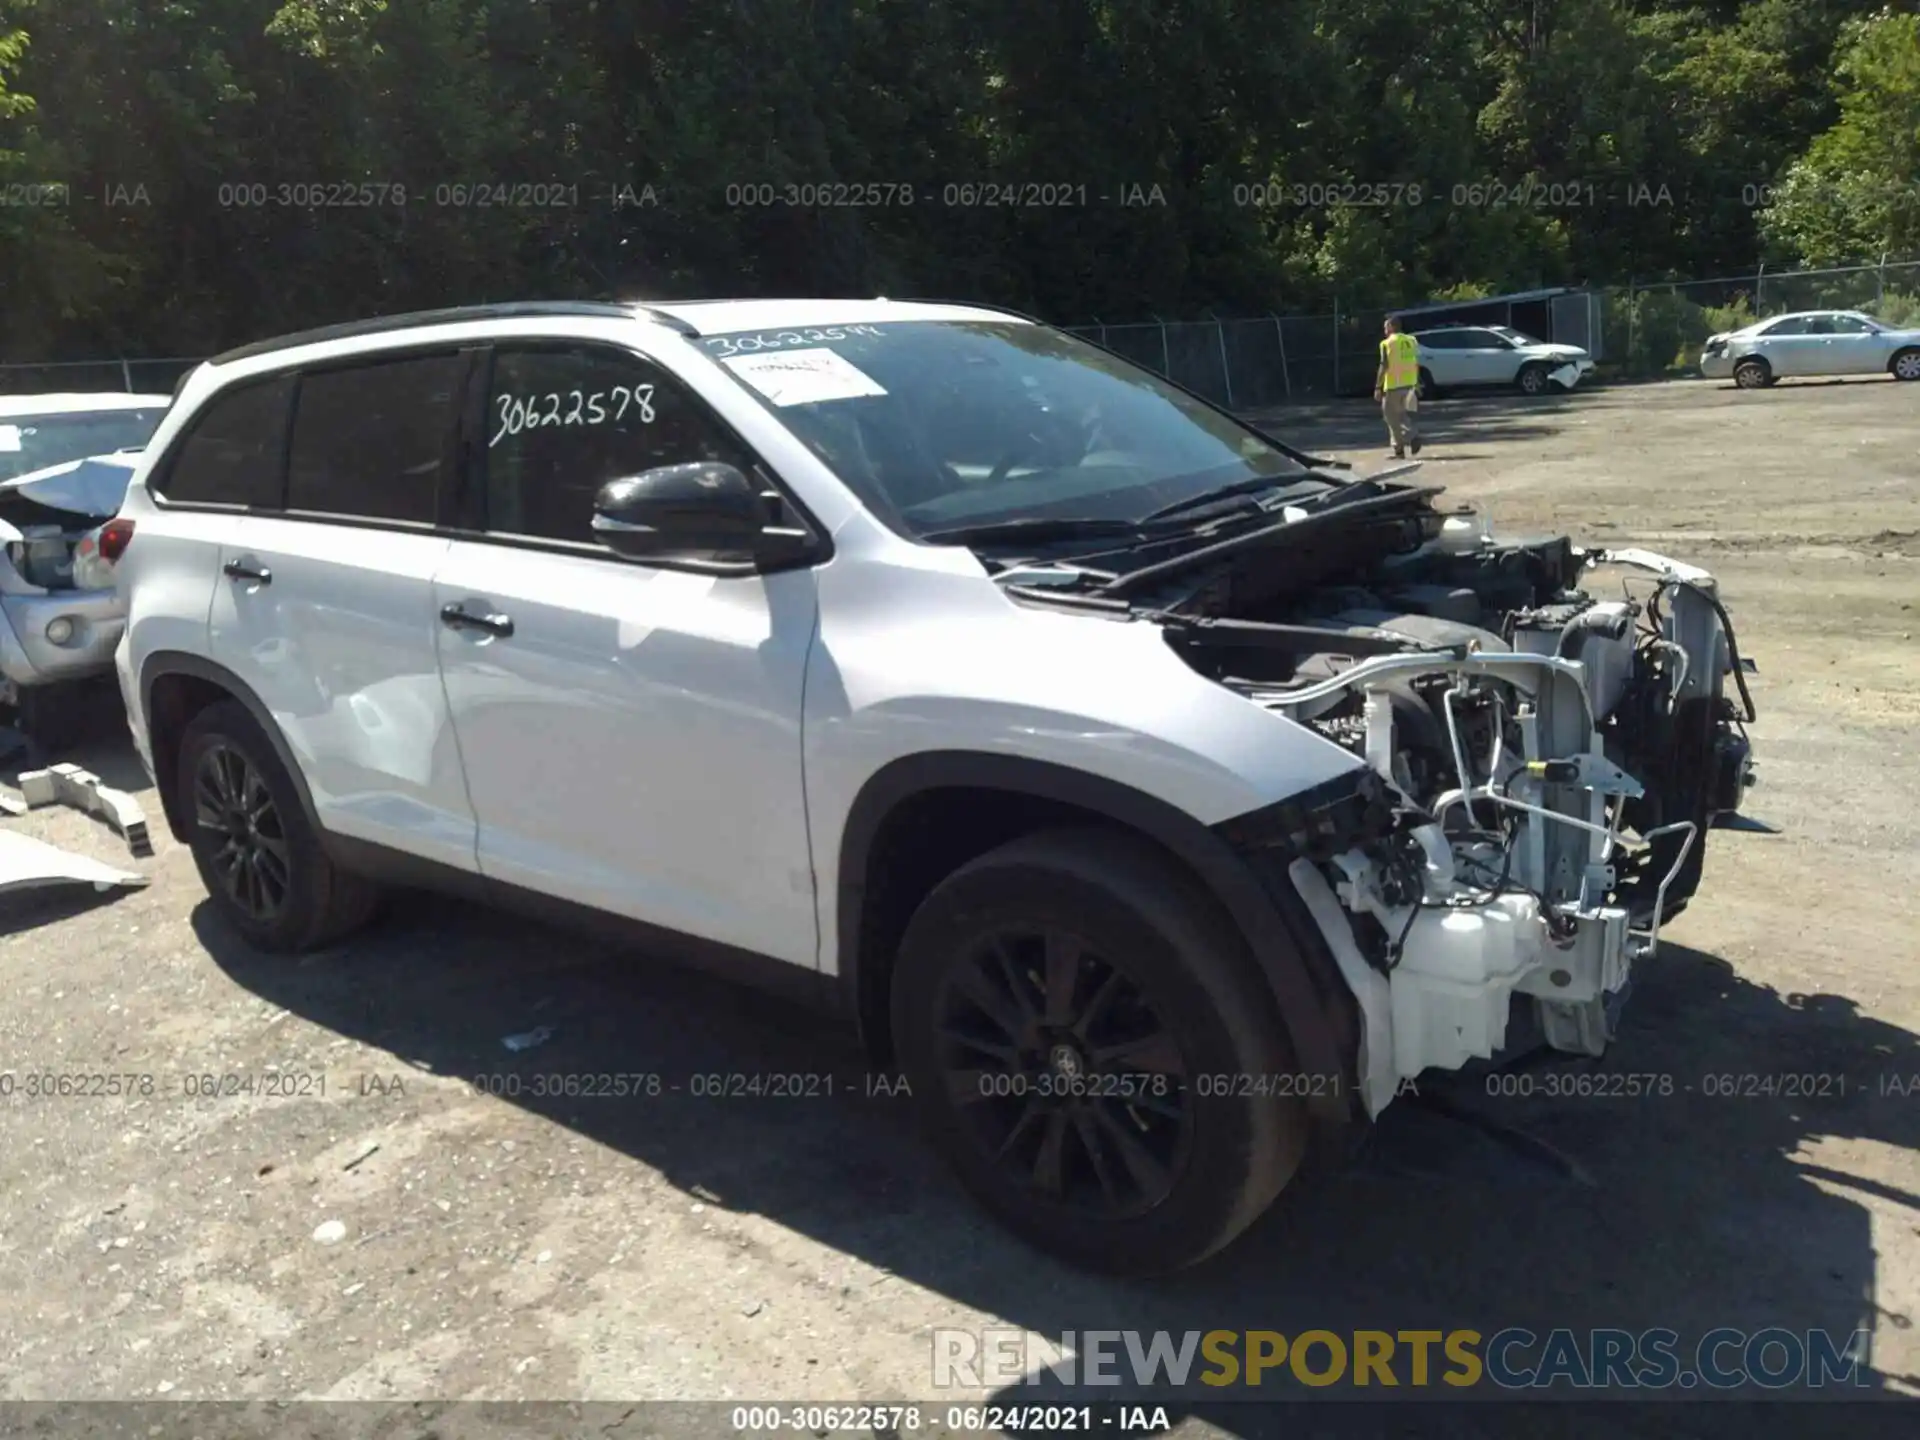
(1517,337)
(940,425)
(33,442)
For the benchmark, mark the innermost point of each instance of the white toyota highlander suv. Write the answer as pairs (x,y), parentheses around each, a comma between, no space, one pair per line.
(1155,797)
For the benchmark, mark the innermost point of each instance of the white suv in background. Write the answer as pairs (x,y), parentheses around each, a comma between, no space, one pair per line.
(1461,357)
(1153,796)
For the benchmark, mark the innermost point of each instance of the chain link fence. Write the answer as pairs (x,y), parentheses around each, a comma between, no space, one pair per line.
(1254,364)
(1636,331)
(131,377)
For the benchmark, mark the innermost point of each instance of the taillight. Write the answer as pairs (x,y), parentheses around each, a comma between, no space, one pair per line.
(115,536)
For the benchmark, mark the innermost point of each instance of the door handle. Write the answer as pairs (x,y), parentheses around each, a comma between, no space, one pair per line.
(237,570)
(458,619)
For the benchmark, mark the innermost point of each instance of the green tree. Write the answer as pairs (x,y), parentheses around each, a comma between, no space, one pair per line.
(1856,192)
(1163,156)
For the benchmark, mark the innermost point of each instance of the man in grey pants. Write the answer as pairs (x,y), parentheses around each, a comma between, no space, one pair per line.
(1396,386)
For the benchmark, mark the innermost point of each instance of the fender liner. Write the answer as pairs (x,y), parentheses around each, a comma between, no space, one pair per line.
(1300,971)
(162,663)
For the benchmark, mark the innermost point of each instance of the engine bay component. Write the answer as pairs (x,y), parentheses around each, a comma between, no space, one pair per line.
(1552,760)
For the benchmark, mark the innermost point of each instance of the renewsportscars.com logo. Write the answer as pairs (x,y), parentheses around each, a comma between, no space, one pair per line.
(1774,1358)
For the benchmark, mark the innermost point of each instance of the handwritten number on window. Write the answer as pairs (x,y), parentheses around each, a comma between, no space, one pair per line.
(520,413)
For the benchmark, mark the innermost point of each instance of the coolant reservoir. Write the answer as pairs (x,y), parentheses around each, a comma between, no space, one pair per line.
(1467,947)
(1456,972)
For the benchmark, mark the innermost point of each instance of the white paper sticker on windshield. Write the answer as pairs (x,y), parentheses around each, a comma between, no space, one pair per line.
(803,377)
(9,439)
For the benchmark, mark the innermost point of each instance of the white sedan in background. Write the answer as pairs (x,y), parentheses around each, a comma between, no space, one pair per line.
(1458,357)
(1811,342)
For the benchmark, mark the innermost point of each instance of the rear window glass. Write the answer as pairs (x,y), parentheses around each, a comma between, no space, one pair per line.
(372,441)
(233,451)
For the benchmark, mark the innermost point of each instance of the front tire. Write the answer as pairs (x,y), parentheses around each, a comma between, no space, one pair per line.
(1753,374)
(1086,1038)
(258,856)
(1533,379)
(1905,365)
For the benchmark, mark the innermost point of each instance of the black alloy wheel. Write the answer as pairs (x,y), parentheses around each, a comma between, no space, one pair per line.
(1065,1072)
(1053,1005)
(254,842)
(250,854)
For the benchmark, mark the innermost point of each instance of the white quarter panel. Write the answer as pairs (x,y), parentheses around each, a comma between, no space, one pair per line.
(167,577)
(919,651)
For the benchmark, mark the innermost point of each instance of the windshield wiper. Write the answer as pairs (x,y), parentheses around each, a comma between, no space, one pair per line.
(1251,486)
(1033,527)
(1298,456)
(1040,528)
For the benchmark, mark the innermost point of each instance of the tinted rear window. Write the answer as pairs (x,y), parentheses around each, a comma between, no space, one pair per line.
(372,441)
(233,452)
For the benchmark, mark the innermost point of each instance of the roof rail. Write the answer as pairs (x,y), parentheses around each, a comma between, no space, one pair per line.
(968,305)
(512,310)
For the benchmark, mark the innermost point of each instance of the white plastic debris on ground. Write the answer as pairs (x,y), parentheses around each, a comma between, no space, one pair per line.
(81,789)
(528,1039)
(30,864)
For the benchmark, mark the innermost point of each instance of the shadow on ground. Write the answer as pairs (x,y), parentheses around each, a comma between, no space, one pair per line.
(1456,421)
(92,733)
(1705,1212)
(31,909)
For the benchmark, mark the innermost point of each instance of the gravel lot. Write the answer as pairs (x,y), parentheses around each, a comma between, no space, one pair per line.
(524,1247)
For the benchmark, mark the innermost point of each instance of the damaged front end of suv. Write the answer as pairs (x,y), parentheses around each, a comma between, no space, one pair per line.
(1544,761)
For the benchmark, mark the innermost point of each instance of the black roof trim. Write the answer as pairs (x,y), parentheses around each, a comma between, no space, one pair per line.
(513,310)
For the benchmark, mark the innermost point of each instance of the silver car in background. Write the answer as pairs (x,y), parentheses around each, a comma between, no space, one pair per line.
(1811,342)
(64,463)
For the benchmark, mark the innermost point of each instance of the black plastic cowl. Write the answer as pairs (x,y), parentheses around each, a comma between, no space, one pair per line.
(1320,822)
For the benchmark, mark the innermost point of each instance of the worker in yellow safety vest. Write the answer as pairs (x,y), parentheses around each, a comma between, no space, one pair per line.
(1397,387)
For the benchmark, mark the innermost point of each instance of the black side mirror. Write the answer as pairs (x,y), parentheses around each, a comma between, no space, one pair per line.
(702,512)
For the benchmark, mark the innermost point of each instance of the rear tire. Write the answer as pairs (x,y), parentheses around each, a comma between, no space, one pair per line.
(1084,961)
(259,857)
(1905,364)
(1427,389)
(1753,374)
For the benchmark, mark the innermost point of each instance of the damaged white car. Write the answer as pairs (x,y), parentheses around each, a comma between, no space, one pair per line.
(64,465)
(1156,796)
(1465,357)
